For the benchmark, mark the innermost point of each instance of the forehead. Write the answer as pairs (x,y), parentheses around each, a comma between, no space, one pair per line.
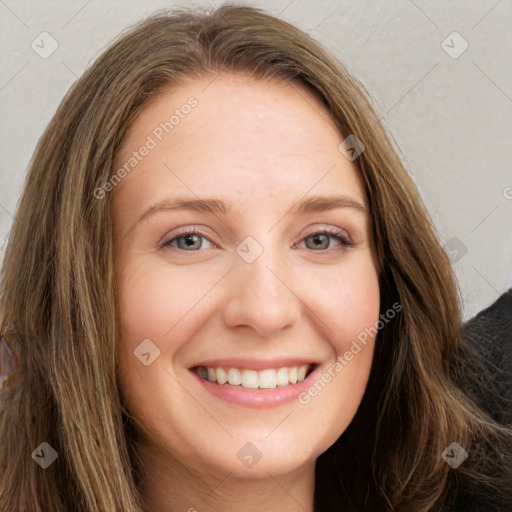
(236,137)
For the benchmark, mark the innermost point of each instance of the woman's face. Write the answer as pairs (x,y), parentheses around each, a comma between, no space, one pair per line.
(254,296)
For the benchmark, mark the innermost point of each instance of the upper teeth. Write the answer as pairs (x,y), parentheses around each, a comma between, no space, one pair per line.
(252,379)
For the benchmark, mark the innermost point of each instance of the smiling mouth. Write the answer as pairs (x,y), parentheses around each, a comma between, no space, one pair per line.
(271,378)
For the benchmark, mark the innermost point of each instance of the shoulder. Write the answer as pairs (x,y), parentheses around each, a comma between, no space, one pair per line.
(493,321)
(489,335)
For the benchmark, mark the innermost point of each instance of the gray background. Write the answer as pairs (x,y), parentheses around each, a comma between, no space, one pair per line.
(450,117)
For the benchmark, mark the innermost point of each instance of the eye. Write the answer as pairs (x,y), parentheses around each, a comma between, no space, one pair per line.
(322,238)
(191,240)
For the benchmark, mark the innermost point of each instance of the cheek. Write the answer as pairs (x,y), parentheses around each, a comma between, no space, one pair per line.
(156,308)
(359,311)
(348,303)
(154,300)
(149,307)
(350,307)
(165,306)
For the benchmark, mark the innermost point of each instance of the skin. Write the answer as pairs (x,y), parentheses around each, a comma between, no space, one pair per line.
(261,146)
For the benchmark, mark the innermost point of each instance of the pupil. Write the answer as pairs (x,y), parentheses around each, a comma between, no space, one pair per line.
(318,239)
(189,240)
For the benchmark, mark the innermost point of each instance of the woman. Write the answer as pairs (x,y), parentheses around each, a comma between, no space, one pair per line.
(261,371)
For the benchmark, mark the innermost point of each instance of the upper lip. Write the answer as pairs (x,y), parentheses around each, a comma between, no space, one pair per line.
(243,363)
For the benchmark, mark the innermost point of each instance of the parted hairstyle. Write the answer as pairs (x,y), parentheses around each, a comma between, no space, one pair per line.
(59,311)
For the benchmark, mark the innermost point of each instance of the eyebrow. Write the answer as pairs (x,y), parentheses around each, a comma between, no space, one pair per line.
(216,206)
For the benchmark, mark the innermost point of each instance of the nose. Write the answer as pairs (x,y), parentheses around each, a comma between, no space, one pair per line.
(261,296)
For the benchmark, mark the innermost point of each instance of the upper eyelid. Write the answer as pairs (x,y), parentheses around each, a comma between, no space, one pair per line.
(341,233)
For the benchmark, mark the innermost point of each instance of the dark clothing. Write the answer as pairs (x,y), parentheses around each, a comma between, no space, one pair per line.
(489,380)
(490,333)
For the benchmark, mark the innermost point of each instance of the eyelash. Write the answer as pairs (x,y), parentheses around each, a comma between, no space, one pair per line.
(344,242)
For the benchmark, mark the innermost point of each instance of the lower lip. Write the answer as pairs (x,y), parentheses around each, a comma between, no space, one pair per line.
(258,398)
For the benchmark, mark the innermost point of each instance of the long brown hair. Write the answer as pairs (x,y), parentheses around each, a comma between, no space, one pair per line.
(58,293)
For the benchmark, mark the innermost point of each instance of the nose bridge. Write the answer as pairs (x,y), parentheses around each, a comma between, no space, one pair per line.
(261,295)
